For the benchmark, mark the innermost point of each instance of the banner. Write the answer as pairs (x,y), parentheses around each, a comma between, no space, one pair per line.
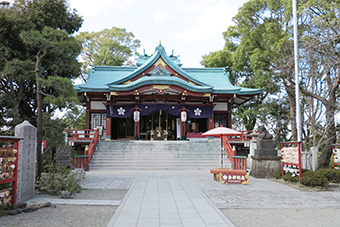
(204,111)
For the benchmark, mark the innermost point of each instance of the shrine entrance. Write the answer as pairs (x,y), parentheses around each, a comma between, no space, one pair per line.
(157,121)
(158,126)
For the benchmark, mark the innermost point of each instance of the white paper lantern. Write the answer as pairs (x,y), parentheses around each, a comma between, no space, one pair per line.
(136,115)
(183,116)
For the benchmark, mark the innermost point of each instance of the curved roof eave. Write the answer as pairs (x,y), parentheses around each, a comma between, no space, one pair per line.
(238,91)
(91,89)
(181,71)
(250,91)
(159,53)
(139,70)
(153,80)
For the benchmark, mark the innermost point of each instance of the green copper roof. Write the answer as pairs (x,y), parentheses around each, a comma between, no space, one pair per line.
(149,80)
(118,78)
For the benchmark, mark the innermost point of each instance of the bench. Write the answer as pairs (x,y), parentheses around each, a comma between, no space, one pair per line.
(228,176)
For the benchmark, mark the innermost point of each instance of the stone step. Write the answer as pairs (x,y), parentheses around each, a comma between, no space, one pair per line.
(152,168)
(157,155)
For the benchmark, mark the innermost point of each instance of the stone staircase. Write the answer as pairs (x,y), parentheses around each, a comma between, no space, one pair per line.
(157,155)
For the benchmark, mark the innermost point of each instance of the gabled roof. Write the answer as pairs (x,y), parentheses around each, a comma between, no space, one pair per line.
(162,69)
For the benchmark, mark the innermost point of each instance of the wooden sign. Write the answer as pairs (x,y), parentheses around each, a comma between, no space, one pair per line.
(291,158)
(231,176)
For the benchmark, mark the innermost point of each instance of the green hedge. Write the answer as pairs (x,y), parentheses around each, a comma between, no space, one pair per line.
(314,179)
(321,177)
(333,175)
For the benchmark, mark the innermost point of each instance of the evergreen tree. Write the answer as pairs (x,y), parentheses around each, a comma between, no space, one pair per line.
(38,60)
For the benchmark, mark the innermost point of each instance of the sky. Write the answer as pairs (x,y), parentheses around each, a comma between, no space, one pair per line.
(192,28)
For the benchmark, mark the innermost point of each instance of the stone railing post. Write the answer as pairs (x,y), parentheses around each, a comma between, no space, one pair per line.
(26,160)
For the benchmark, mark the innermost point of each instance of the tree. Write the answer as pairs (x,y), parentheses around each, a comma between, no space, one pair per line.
(111,47)
(258,49)
(75,118)
(40,59)
(320,50)
(263,34)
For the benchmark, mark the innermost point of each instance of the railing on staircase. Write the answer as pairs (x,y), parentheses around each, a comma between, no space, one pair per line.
(83,161)
(80,134)
(238,162)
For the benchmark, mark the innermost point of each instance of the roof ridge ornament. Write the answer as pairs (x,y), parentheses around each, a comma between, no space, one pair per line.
(160,48)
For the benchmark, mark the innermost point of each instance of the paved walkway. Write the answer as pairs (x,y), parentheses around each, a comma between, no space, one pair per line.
(167,201)
(187,198)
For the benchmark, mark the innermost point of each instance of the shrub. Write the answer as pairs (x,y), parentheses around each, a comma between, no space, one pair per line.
(304,171)
(57,180)
(332,175)
(278,174)
(328,173)
(337,175)
(289,177)
(314,179)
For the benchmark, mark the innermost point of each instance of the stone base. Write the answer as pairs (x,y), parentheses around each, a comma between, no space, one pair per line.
(265,166)
(265,147)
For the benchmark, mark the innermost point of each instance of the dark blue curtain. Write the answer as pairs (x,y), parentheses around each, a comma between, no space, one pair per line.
(199,111)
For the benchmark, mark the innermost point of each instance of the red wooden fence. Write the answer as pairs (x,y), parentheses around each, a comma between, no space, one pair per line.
(239,162)
(83,161)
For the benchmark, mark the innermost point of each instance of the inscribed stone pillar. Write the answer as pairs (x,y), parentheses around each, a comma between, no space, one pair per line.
(26,160)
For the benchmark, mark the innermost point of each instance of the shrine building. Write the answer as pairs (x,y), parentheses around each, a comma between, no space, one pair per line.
(158,99)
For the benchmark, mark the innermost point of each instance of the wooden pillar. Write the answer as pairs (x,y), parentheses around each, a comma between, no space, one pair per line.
(108,128)
(88,119)
(137,130)
(88,113)
(182,130)
(229,116)
(210,123)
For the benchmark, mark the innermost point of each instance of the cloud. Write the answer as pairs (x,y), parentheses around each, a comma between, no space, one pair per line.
(93,8)
(213,20)
(160,17)
(193,9)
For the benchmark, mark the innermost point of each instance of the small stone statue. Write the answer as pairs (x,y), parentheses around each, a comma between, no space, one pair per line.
(264,134)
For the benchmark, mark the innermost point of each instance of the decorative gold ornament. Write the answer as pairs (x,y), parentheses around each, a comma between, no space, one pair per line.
(160,62)
(161,87)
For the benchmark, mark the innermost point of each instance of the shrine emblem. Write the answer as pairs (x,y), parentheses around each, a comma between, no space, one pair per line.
(197,112)
(121,111)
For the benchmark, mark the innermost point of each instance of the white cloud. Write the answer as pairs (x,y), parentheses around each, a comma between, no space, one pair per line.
(212,21)
(160,17)
(93,8)
(193,9)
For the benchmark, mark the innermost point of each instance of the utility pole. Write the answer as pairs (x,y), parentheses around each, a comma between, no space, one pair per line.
(297,83)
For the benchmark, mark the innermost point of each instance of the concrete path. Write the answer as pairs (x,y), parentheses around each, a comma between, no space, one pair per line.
(167,201)
(192,198)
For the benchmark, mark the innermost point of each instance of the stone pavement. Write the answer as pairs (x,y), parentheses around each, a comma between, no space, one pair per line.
(167,201)
(192,198)
(265,193)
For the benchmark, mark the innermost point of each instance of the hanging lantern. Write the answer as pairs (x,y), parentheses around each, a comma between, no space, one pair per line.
(183,116)
(136,115)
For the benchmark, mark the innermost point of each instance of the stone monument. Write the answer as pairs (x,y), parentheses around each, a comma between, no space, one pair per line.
(265,161)
(26,161)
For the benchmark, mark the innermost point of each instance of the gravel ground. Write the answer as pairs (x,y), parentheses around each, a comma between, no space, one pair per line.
(283,217)
(69,215)
(98,194)
(62,215)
